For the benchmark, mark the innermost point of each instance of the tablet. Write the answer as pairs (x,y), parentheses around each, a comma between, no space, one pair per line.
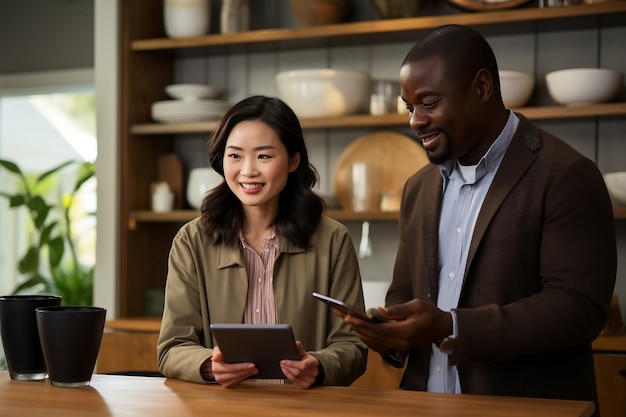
(348,309)
(265,345)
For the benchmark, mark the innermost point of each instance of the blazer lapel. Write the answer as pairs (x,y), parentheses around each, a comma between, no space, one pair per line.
(517,159)
(431,205)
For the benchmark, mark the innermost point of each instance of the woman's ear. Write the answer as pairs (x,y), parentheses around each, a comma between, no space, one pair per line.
(294,162)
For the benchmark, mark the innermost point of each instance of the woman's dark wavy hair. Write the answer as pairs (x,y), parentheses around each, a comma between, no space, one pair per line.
(299,208)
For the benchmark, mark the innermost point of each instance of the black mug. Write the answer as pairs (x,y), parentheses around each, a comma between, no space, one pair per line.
(20,338)
(70,339)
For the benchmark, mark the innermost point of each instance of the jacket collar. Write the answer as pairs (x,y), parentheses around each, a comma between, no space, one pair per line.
(231,255)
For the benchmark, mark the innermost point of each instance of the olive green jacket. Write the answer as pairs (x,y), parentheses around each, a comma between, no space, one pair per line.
(207,283)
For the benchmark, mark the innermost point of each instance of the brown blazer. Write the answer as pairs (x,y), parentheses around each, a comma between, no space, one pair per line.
(539,277)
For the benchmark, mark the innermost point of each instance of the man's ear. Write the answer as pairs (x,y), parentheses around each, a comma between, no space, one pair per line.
(483,84)
(294,162)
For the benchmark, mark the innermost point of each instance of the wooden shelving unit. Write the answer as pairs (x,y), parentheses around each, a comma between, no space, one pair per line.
(148,61)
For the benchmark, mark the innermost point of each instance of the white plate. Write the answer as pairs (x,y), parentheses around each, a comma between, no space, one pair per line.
(190,92)
(172,111)
(198,118)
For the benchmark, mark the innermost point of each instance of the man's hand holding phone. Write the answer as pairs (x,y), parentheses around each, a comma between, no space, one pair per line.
(372,315)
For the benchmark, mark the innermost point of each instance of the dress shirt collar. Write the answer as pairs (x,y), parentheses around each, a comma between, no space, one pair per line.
(492,158)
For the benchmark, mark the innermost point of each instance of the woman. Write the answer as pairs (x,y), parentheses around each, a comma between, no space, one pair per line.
(256,255)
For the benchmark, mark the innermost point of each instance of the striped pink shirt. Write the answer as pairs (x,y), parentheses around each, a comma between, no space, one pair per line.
(260,306)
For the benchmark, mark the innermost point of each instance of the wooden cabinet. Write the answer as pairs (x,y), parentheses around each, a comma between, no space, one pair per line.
(150,61)
(610,362)
(129,345)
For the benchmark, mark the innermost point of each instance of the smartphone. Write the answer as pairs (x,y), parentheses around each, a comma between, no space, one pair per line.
(348,309)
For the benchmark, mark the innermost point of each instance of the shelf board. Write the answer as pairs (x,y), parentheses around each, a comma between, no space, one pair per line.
(169,128)
(181,216)
(258,39)
(390,120)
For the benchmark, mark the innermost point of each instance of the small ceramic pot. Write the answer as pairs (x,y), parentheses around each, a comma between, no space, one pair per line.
(186,18)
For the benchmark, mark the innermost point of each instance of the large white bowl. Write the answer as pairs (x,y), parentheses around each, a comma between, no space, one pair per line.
(616,184)
(324,92)
(579,86)
(516,87)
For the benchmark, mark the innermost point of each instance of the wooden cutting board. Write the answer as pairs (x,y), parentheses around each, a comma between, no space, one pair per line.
(394,156)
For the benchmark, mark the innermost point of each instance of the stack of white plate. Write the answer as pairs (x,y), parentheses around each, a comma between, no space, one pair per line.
(180,111)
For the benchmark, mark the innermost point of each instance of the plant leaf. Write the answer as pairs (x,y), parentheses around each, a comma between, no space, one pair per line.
(39,210)
(56,247)
(44,238)
(53,170)
(30,261)
(17,200)
(32,282)
(11,166)
(85,172)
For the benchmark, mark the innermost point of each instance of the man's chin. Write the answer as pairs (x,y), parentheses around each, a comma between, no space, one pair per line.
(436,158)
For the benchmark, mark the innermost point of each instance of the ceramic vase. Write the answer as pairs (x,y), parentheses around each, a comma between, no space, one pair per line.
(235,16)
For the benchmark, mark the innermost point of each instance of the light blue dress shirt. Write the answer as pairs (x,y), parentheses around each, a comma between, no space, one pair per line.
(464,190)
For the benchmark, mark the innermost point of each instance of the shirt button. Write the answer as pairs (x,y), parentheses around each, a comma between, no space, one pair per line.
(468,187)
(452,275)
(438,368)
(259,279)
(257,311)
(458,230)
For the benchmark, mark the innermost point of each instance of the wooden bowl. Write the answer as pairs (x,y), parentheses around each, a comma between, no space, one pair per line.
(487,5)
(320,12)
(395,157)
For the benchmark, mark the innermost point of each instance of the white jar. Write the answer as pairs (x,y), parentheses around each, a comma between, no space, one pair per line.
(162,197)
(186,18)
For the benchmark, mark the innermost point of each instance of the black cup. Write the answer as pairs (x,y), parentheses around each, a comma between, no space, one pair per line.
(18,329)
(70,340)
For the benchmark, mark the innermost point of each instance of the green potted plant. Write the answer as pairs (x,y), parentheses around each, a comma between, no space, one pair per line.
(52,242)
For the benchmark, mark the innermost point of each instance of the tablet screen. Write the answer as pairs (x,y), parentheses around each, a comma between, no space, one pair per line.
(265,345)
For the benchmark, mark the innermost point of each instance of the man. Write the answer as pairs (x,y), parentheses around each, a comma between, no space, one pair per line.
(507,255)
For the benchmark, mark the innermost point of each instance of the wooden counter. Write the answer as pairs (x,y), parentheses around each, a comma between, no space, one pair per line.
(114,396)
(609,356)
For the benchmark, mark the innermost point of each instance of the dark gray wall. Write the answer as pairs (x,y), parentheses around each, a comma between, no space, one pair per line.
(43,35)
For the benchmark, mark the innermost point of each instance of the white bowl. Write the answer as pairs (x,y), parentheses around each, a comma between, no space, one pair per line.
(578,86)
(180,111)
(324,92)
(516,87)
(616,184)
(199,182)
(191,91)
